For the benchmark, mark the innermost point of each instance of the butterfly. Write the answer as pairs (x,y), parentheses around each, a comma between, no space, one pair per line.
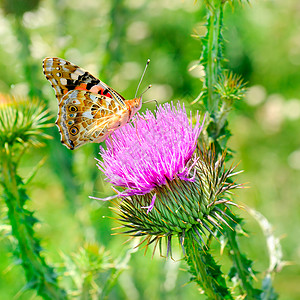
(88,109)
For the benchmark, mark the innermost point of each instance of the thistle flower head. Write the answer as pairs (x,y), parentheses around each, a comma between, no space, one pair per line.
(160,167)
(156,150)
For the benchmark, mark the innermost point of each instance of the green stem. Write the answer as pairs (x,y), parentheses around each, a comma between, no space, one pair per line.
(206,272)
(222,116)
(39,275)
(212,53)
(117,30)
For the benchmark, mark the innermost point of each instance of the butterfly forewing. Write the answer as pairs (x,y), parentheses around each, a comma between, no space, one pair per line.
(65,76)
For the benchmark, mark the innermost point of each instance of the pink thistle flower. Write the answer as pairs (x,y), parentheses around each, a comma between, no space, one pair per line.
(152,151)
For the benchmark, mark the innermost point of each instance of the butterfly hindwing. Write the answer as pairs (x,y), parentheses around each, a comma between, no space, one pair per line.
(87,117)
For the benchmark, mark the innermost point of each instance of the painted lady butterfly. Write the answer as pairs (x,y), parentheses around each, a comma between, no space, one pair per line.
(88,109)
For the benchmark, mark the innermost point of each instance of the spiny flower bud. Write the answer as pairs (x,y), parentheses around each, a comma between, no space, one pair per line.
(22,121)
(231,87)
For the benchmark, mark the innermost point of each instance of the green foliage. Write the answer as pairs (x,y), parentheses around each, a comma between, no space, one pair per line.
(39,275)
(206,273)
(92,272)
(21,125)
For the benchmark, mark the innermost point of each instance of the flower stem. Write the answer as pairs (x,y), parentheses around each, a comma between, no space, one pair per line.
(212,54)
(39,275)
(222,116)
(206,273)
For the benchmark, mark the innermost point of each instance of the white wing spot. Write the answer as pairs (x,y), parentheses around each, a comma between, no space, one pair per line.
(93,98)
(73,96)
(49,64)
(87,114)
(74,76)
(79,72)
(63,81)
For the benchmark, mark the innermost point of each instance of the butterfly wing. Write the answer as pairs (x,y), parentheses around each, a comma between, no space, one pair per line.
(65,76)
(87,117)
(89,110)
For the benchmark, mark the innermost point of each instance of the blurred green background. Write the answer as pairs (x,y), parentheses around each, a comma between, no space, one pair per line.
(113,40)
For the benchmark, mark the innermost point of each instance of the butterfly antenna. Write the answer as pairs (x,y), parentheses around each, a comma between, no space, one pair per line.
(148,87)
(147,63)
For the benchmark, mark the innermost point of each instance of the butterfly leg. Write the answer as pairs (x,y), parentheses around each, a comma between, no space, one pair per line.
(112,144)
(137,133)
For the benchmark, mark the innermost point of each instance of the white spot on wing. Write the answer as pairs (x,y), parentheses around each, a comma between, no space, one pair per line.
(87,114)
(72,96)
(93,98)
(49,63)
(79,72)
(74,76)
(63,81)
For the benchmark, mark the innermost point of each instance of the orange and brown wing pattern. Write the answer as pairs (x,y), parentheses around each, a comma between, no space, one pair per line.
(87,117)
(65,76)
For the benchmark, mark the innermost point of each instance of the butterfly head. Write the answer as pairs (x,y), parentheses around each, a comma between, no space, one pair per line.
(136,105)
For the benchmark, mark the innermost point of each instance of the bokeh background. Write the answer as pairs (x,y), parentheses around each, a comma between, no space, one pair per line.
(113,40)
